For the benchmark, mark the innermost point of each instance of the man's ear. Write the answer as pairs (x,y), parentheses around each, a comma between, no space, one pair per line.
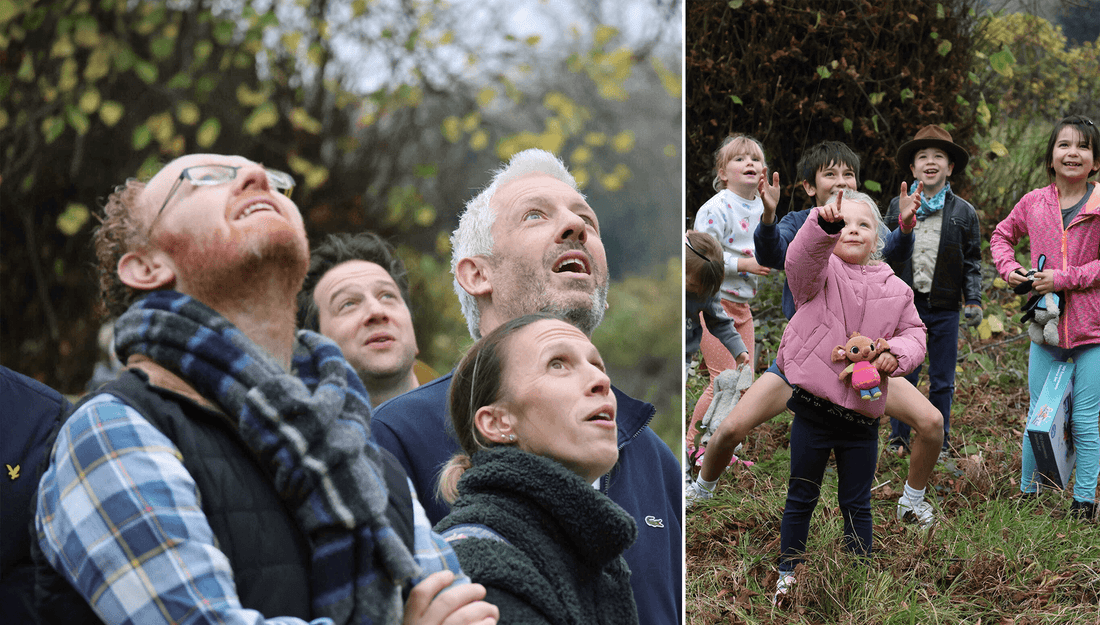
(474,275)
(145,271)
(495,423)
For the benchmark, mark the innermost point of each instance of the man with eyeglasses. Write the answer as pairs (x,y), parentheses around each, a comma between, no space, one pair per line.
(226,475)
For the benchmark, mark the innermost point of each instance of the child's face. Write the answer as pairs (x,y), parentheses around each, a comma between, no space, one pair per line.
(1073,158)
(859,237)
(835,177)
(742,173)
(932,167)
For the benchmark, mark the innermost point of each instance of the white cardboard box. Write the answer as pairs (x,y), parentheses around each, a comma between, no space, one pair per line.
(1048,427)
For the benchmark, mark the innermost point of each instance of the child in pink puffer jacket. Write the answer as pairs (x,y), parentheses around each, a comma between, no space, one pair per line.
(839,287)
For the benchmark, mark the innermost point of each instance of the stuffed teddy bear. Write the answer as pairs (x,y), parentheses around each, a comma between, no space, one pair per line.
(1044,323)
(860,351)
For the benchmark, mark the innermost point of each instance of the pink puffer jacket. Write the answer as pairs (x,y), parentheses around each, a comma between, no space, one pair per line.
(834,299)
(1073,253)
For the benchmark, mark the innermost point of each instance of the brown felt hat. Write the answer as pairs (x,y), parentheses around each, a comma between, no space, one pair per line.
(932,136)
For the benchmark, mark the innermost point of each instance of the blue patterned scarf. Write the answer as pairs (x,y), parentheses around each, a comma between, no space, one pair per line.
(929,206)
(311,431)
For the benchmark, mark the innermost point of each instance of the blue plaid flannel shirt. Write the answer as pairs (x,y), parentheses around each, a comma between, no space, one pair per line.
(119,517)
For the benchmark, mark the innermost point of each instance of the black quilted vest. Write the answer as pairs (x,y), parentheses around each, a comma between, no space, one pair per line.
(269,555)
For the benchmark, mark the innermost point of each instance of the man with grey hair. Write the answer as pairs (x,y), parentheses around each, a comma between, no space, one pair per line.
(530,242)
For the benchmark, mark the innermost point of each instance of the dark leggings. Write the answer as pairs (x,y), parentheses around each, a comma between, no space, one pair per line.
(855,467)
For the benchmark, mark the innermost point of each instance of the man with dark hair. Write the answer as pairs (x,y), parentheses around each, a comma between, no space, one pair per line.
(531,243)
(355,293)
(226,475)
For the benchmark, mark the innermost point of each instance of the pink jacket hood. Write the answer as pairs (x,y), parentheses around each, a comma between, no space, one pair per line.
(834,299)
(1073,253)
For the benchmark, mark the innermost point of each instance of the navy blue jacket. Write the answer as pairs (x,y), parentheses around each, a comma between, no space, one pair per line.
(415,427)
(771,243)
(29,412)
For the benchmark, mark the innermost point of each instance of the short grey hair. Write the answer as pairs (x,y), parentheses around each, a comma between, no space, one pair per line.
(474,234)
(880,226)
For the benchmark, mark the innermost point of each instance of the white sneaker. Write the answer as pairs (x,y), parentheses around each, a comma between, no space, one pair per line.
(920,514)
(782,587)
(694,493)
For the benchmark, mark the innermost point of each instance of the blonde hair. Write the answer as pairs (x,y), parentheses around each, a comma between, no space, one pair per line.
(732,146)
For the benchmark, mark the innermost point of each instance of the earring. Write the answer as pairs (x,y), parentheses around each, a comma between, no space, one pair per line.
(511,437)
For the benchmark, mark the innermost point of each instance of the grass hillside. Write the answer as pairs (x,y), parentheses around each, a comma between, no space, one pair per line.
(993,557)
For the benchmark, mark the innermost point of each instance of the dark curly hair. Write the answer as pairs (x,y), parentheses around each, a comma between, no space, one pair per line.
(120,230)
(341,248)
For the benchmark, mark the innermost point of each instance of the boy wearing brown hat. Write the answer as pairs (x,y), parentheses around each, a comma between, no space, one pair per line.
(945,270)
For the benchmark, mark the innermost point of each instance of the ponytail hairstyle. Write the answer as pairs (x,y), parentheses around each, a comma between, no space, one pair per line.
(478,381)
(703,262)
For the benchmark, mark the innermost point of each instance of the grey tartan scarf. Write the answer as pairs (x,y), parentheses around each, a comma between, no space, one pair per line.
(311,433)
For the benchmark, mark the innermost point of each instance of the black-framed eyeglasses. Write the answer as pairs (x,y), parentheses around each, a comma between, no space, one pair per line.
(210,175)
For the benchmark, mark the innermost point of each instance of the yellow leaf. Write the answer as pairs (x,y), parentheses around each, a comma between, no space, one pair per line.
(996,325)
(316,177)
(623,142)
(998,148)
(581,156)
(291,42)
(485,96)
(999,283)
(447,37)
(72,219)
(298,164)
(208,133)
(8,10)
(68,79)
(604,34)
(162,127)
(479,140)
(533,40)
(611,182)
(303,121)
(89,100)
(471,121)
(451,129)
(187,113)
(984,331)
(52,127)
(248,97)
(581,176)
(99,63)
(262,117)
(596,139)
(62,47)
(671,150)
(86,33)
(110,112)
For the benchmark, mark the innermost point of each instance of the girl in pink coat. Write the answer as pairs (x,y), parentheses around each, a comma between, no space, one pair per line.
(1063,223)
(840,286)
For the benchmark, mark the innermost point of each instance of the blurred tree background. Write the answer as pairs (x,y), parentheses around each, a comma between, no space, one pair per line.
(996,73)
(390,114)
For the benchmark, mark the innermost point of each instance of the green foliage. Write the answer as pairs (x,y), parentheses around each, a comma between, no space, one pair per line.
(1029,77)
(639,340)
(94,92)
(867,74)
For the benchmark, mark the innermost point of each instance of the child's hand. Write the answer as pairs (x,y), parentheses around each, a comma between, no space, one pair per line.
(769,195)
(749,265)
(831,212)
(1043,282)
(886,363)
(742,359)
(908,205)
(1017,277)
